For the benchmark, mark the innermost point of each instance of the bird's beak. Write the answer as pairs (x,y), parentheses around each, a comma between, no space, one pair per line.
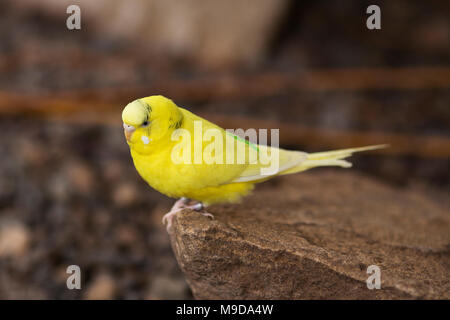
(128,130)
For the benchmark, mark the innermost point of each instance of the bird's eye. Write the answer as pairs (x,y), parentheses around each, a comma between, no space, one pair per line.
(145,124)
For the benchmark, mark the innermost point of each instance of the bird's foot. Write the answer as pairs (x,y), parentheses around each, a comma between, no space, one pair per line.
(180,205)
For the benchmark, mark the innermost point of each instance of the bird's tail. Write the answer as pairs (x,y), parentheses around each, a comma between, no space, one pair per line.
(330,158)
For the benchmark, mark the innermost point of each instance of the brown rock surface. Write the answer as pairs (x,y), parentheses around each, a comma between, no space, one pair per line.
(313,236)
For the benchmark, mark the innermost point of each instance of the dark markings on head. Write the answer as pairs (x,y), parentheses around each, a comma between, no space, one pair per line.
(145,105)
(175,125)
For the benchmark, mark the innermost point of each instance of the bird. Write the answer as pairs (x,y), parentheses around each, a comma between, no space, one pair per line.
(189,158)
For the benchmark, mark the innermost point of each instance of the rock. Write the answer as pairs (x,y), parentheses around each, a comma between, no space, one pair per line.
(167,287)
(126,235)
(125,194)
(81,176)
(103,287)
(14,239)
(313,236)
(32,152)
(113,170)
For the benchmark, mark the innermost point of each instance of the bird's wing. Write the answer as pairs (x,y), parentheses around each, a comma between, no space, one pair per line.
(271,162)
(249,162)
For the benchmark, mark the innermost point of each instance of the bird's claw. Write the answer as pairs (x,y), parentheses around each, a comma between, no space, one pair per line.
(179,205)
(168,218)
(207,214)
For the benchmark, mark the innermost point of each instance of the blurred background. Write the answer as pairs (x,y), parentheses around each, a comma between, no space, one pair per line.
(69,193)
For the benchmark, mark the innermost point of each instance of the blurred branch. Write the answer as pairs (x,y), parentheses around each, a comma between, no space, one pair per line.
(263,84)
(92,111)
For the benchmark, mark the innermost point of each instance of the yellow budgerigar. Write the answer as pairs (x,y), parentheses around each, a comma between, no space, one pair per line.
(185,156)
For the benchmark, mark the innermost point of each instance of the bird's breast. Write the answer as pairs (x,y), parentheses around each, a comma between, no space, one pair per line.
(160,173)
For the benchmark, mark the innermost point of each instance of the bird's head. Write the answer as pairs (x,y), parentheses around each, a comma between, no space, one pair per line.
(148,121)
